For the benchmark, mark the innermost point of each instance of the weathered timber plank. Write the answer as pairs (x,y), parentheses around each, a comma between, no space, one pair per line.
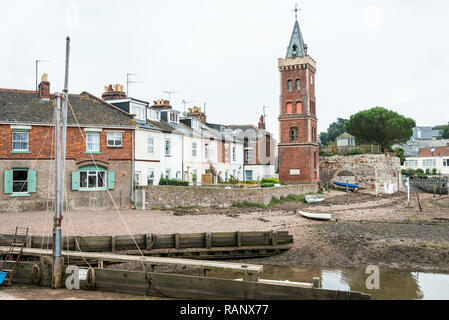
(146,260)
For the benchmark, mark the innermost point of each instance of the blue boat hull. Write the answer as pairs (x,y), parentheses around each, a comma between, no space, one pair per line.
(344,185)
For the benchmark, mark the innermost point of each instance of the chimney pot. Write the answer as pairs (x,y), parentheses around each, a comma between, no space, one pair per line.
(44,87)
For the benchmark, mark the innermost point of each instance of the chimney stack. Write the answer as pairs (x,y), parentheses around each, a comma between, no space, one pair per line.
(196,113)
(162,104)
(262,123)
(44,87)
(113,92)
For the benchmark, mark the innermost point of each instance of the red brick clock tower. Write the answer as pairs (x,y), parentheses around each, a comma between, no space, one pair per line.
(298,147)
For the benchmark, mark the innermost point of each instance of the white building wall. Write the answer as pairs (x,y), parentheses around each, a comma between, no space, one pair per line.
(173,162)
(192,163)
(424,163)
(145,161)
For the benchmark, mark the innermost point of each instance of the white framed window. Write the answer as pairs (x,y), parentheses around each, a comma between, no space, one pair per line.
(248,175)
(178,175)
(93,179)
(445,162)
(92,142)
(222,129)
(150,177)
(154,115)
(167,148)
(137,178)
(249,155)
(174,117)
(150,145)
(139,112)
(20,140)
(428,163)
(194,149)
(206,151)
(226,153)
(167,173)
(115,139)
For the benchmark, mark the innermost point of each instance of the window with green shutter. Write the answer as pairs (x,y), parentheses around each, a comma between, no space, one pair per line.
(111,180)
(19,182)
(7,181)
(93,178)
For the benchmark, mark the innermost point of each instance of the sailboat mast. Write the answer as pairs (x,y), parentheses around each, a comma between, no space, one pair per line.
(57,236)
(60,157)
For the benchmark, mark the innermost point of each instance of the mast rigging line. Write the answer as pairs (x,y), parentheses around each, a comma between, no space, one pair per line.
(109,193)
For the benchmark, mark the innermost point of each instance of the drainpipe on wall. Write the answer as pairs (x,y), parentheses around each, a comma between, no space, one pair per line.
(182,159)
(132,164)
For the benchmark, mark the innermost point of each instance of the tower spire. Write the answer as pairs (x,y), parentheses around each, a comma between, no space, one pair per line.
(297,47)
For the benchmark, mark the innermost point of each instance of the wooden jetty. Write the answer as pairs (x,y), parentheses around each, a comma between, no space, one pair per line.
(249,287)
(216,245)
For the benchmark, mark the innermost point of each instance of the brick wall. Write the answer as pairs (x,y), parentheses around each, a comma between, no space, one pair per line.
(300,154)
(172,197)
(76,147)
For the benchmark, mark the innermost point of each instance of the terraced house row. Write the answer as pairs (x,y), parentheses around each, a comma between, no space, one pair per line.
(115,143)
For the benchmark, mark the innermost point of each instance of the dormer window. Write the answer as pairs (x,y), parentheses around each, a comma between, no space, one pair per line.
(174,117)
(222,129)
(138,111)
(154,115)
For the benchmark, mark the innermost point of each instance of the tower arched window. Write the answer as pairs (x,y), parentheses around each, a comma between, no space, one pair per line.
(294,134)
(295,50)
(290,85)
(298,84)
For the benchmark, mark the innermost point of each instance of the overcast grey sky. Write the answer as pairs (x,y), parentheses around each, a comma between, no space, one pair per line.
(391,53)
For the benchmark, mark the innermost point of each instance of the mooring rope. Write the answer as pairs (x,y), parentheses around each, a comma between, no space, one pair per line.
(109,193)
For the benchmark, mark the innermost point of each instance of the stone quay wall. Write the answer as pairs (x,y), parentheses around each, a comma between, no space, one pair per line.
(172,197)
(374,173)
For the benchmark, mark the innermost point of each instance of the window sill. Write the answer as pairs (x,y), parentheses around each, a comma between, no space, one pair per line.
(20,195)
(115,146)
(20,151)
(93,152)
(97,189)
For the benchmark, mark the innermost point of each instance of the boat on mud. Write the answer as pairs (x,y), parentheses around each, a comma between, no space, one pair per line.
(310,199)
(316,216)
(341,185)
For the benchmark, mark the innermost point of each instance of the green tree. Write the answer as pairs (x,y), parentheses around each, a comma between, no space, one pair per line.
(336,129)
(380,126)
(444,131)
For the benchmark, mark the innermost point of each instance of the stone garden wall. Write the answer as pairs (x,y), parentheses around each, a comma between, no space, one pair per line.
(375,173)
(172,197)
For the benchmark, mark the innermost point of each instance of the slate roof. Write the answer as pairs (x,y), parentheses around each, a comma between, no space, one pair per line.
(411,149)
(162,125)
(297,42)
(425,133)
(20,106)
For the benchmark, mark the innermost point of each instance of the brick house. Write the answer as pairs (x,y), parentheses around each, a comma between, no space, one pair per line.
(99,151)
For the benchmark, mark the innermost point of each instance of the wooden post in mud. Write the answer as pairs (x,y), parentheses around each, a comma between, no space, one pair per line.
(416,191)
(347,192)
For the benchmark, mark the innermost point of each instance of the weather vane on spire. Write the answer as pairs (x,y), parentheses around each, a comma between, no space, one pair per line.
(296,11)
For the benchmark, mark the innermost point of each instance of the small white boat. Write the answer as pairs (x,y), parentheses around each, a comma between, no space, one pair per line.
(316,216)
(314,199)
